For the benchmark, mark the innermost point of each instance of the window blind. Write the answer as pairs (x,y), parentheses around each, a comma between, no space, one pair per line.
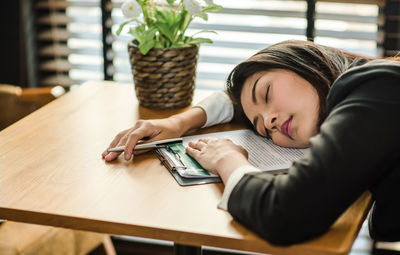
(243,28)
(51,40)
(86,42)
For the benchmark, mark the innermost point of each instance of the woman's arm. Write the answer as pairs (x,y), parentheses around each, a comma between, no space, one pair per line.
(156,129)
(212,110)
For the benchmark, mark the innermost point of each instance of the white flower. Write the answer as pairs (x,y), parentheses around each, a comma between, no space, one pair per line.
(131,9)
(192,6)
(208,2)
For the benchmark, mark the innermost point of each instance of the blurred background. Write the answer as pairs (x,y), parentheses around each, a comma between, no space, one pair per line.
(67,42)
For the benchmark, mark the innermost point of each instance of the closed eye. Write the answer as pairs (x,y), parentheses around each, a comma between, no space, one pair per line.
(266,101)
(266,94)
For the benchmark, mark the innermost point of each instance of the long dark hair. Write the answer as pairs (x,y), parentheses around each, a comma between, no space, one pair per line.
(319,65)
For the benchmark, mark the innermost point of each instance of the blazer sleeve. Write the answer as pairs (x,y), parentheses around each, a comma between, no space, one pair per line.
(357,145)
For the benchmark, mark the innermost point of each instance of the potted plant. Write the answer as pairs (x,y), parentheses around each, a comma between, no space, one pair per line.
(163,57)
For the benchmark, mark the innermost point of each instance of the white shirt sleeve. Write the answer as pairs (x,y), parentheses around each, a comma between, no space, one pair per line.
(231,183)
(218,108)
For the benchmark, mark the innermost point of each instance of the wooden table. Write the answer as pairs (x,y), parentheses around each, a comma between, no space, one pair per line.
(52,173)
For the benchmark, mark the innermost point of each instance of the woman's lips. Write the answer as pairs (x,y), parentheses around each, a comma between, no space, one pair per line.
(286,127)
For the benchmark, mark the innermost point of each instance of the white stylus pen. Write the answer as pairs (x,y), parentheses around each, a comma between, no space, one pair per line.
(145,146)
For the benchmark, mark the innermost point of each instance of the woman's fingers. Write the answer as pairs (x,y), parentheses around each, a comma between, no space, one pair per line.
(199,145)
(113,155)
(192,152)
(114,142)
(133,139)
(129,138)
(146,130)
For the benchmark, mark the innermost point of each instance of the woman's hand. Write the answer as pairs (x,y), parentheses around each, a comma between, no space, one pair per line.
(148,130)
(157,129)
(219,156)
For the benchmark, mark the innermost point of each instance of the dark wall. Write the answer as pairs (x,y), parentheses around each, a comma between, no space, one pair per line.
(17,49)
(391,42)
(11,65)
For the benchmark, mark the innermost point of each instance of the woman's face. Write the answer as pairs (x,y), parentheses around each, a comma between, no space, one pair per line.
(282,105)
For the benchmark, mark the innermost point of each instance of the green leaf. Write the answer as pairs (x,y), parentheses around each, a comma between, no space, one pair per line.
(171,19)
(161,15)
(142,35)
(165,16)
(179,18)
(122,26)
(199,40)
(167,23)
(158,45)
(145,47)
(165,30)
(179,44)
(203,16)
(187,18)
(212,8)
(150,34)
(204,31)
(137,34)
(141,29)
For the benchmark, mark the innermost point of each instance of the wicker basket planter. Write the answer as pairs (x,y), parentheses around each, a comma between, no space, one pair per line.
(164,78)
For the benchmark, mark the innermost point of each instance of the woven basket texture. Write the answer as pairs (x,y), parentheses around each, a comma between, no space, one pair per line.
(164,78)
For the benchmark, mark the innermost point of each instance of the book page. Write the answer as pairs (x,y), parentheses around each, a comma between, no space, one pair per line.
(263,153)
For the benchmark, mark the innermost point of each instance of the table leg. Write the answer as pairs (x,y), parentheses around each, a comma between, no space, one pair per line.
(180,249)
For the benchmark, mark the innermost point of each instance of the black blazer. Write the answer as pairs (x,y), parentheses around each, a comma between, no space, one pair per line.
(357,149)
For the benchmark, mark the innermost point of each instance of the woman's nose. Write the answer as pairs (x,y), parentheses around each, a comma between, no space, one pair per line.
(270,121)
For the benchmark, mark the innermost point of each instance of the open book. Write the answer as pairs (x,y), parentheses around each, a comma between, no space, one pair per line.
(263,154)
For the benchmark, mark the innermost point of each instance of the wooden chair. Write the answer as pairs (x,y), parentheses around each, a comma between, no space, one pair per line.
(29,239)
(16,102)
